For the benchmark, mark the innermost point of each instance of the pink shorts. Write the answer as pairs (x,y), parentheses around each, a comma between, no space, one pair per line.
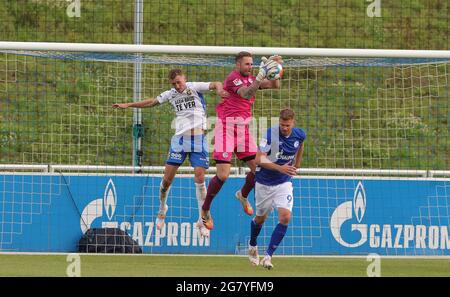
(232,137)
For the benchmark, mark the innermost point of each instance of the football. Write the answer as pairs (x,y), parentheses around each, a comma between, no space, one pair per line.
(273,75)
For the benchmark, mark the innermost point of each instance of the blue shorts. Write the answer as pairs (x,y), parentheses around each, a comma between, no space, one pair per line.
(195,146)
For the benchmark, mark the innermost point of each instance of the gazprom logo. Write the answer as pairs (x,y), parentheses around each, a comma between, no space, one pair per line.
(344,212)
(385,235)
(95,208)
(109,200)
(359,202)
(144,232)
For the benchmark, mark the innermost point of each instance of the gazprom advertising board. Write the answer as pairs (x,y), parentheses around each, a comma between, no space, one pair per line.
(331,216)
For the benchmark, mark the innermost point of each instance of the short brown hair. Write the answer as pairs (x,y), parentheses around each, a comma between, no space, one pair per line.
(174,73)
(287,114)
(242,54)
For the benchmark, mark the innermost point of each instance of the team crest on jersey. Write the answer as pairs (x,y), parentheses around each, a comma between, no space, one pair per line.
(189,92)
(237,82)
(296,144)
(225,155)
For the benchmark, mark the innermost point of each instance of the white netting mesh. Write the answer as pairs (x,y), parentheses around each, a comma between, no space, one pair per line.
(374,113)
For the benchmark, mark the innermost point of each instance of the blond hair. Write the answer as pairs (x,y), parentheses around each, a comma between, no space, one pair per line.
(287,114)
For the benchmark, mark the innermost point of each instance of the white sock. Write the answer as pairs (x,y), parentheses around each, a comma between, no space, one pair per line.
(200,192)
(163,196)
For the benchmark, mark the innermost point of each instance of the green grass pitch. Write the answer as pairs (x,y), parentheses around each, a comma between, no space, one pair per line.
(215,266)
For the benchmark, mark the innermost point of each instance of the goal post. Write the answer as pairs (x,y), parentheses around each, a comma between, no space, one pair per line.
(376,153)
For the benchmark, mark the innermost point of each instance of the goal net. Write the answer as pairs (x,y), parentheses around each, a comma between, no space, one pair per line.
(377,133)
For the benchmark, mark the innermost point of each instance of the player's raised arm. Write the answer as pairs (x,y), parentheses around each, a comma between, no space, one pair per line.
(270,84)
(218,87)
(250,91)
(140,104)
(267,66)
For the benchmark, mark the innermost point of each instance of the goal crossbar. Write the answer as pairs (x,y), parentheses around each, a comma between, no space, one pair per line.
(221,50)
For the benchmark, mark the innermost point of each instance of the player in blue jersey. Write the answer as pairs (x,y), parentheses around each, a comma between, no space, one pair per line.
(279,155)
(189,140)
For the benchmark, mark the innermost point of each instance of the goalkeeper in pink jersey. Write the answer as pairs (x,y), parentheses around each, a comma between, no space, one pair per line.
(231,133)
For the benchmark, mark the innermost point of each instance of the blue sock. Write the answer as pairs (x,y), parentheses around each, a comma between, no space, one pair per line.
(254,232)
(277,236)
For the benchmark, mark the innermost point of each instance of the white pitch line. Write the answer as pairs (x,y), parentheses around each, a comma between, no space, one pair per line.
(227,255)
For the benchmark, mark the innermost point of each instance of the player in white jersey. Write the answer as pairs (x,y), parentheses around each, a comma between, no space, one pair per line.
(279,155)
(189,105)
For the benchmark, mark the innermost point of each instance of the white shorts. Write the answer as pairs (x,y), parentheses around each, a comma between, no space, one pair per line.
(271,197)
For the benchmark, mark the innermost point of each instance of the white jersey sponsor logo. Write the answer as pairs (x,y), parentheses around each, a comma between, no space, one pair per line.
(237,82)
(189,106)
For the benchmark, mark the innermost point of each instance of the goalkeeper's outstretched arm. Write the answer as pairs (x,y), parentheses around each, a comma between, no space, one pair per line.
(250,91)
(261,82)
(270,84)
(140,104)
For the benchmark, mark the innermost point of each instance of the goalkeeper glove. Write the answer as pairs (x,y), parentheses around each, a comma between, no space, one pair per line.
(276,58)
(264,68)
